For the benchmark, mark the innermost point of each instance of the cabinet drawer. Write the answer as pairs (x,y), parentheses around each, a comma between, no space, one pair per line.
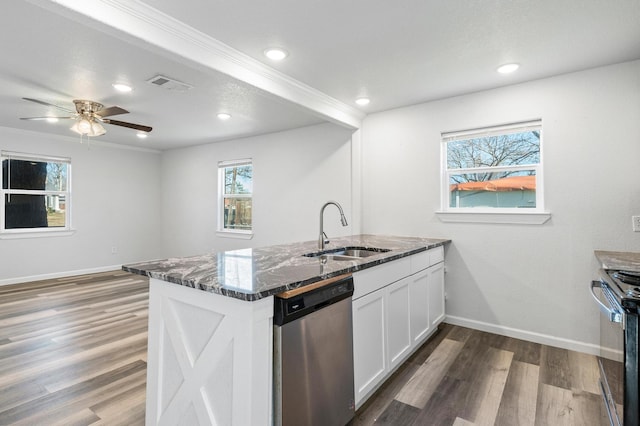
(425,259)
(372,279)
(436,255)
(420,261)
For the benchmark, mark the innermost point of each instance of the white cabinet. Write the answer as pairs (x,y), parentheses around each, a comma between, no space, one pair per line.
(396,307)
(369,346)
(381,336)
(419,307)
(436,294)
(398,322)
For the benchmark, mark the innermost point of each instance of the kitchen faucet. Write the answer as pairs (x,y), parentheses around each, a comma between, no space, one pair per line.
(343,220)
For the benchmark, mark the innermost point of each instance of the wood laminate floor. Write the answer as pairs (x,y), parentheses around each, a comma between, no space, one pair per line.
(465,377)
(73,352)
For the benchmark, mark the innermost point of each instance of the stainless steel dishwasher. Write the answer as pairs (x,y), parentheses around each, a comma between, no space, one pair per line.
(313,354)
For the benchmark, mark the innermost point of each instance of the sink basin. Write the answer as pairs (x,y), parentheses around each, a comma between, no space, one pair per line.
(347,253)
(359,252)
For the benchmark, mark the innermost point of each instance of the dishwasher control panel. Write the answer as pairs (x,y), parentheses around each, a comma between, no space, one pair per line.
(287,310)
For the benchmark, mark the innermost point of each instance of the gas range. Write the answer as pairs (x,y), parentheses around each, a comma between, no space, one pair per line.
(617,294)
(625,284)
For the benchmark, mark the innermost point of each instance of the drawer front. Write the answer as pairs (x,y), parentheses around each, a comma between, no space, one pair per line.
(436,255)
(420,261)
(376,277)
(425,259)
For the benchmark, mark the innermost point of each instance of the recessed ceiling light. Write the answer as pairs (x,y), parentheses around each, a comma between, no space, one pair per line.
(51,119)
(508,68)
(363,101)
(142,135)
(121,87)
(223,116)
(276,54)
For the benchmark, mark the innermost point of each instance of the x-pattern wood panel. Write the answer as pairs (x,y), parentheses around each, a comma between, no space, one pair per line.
(195,367)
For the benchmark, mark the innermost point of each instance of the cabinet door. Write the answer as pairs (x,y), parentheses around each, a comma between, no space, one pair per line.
(369,353)
(436,294)
(419,306)
(398,334)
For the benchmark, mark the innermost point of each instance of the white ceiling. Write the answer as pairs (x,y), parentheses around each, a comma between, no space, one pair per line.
(402,53)
(52,58)
(395,53)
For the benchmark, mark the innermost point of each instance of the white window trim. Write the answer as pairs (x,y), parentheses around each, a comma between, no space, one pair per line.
(221,231)
(239,234)
(535,216)
(10,234)
(515,218)
(29,233)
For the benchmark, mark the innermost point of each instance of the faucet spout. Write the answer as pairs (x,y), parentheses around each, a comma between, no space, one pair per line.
(321,238)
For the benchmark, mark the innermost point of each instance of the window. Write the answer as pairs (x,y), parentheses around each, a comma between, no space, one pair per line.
(236,194)
(496,170)
(36,193)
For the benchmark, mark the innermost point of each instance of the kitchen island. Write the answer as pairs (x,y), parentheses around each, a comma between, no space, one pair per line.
(210,324)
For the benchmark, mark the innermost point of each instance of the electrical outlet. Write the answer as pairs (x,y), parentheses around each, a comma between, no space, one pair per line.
(635,222)
(114,250)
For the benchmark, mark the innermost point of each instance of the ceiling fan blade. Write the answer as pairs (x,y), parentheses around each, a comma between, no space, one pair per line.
(129,125)
(48,104)
(44,118)
(114,110)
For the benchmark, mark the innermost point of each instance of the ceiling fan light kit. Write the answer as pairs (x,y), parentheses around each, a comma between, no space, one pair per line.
(89,116)
(88,127)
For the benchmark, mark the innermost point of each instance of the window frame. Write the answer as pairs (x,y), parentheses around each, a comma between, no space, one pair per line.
(57,231)
(536,215)
(221,230)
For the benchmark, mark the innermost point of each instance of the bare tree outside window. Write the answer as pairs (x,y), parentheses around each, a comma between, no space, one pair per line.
(514,149)
(493,168)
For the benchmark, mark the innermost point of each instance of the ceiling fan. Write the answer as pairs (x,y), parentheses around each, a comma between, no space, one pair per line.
(89,116)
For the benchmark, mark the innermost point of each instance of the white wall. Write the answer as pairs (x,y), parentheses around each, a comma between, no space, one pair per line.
(528,281)
(116,200)
(523,280)
(295,173)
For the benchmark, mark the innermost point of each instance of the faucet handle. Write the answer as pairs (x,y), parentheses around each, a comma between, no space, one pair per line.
(326,239)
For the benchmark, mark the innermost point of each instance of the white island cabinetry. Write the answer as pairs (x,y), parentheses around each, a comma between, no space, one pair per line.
(210,349)
(396,307)
(209,359)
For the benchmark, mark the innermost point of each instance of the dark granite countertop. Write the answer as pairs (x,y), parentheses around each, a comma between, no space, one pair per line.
(619,260)
(252,274)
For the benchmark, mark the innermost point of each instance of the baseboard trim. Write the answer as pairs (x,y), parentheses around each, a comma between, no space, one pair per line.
(545,339)
(19,280)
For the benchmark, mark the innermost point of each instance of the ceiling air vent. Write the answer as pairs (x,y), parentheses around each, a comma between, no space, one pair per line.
(169,83)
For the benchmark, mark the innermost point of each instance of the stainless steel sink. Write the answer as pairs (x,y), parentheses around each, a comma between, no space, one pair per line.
(347,253)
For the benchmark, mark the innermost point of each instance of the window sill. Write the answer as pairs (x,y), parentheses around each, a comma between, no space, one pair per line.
(519,218)
(241,235)
(13,235)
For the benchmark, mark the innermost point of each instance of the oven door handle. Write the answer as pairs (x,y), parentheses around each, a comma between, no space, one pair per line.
(613,314)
